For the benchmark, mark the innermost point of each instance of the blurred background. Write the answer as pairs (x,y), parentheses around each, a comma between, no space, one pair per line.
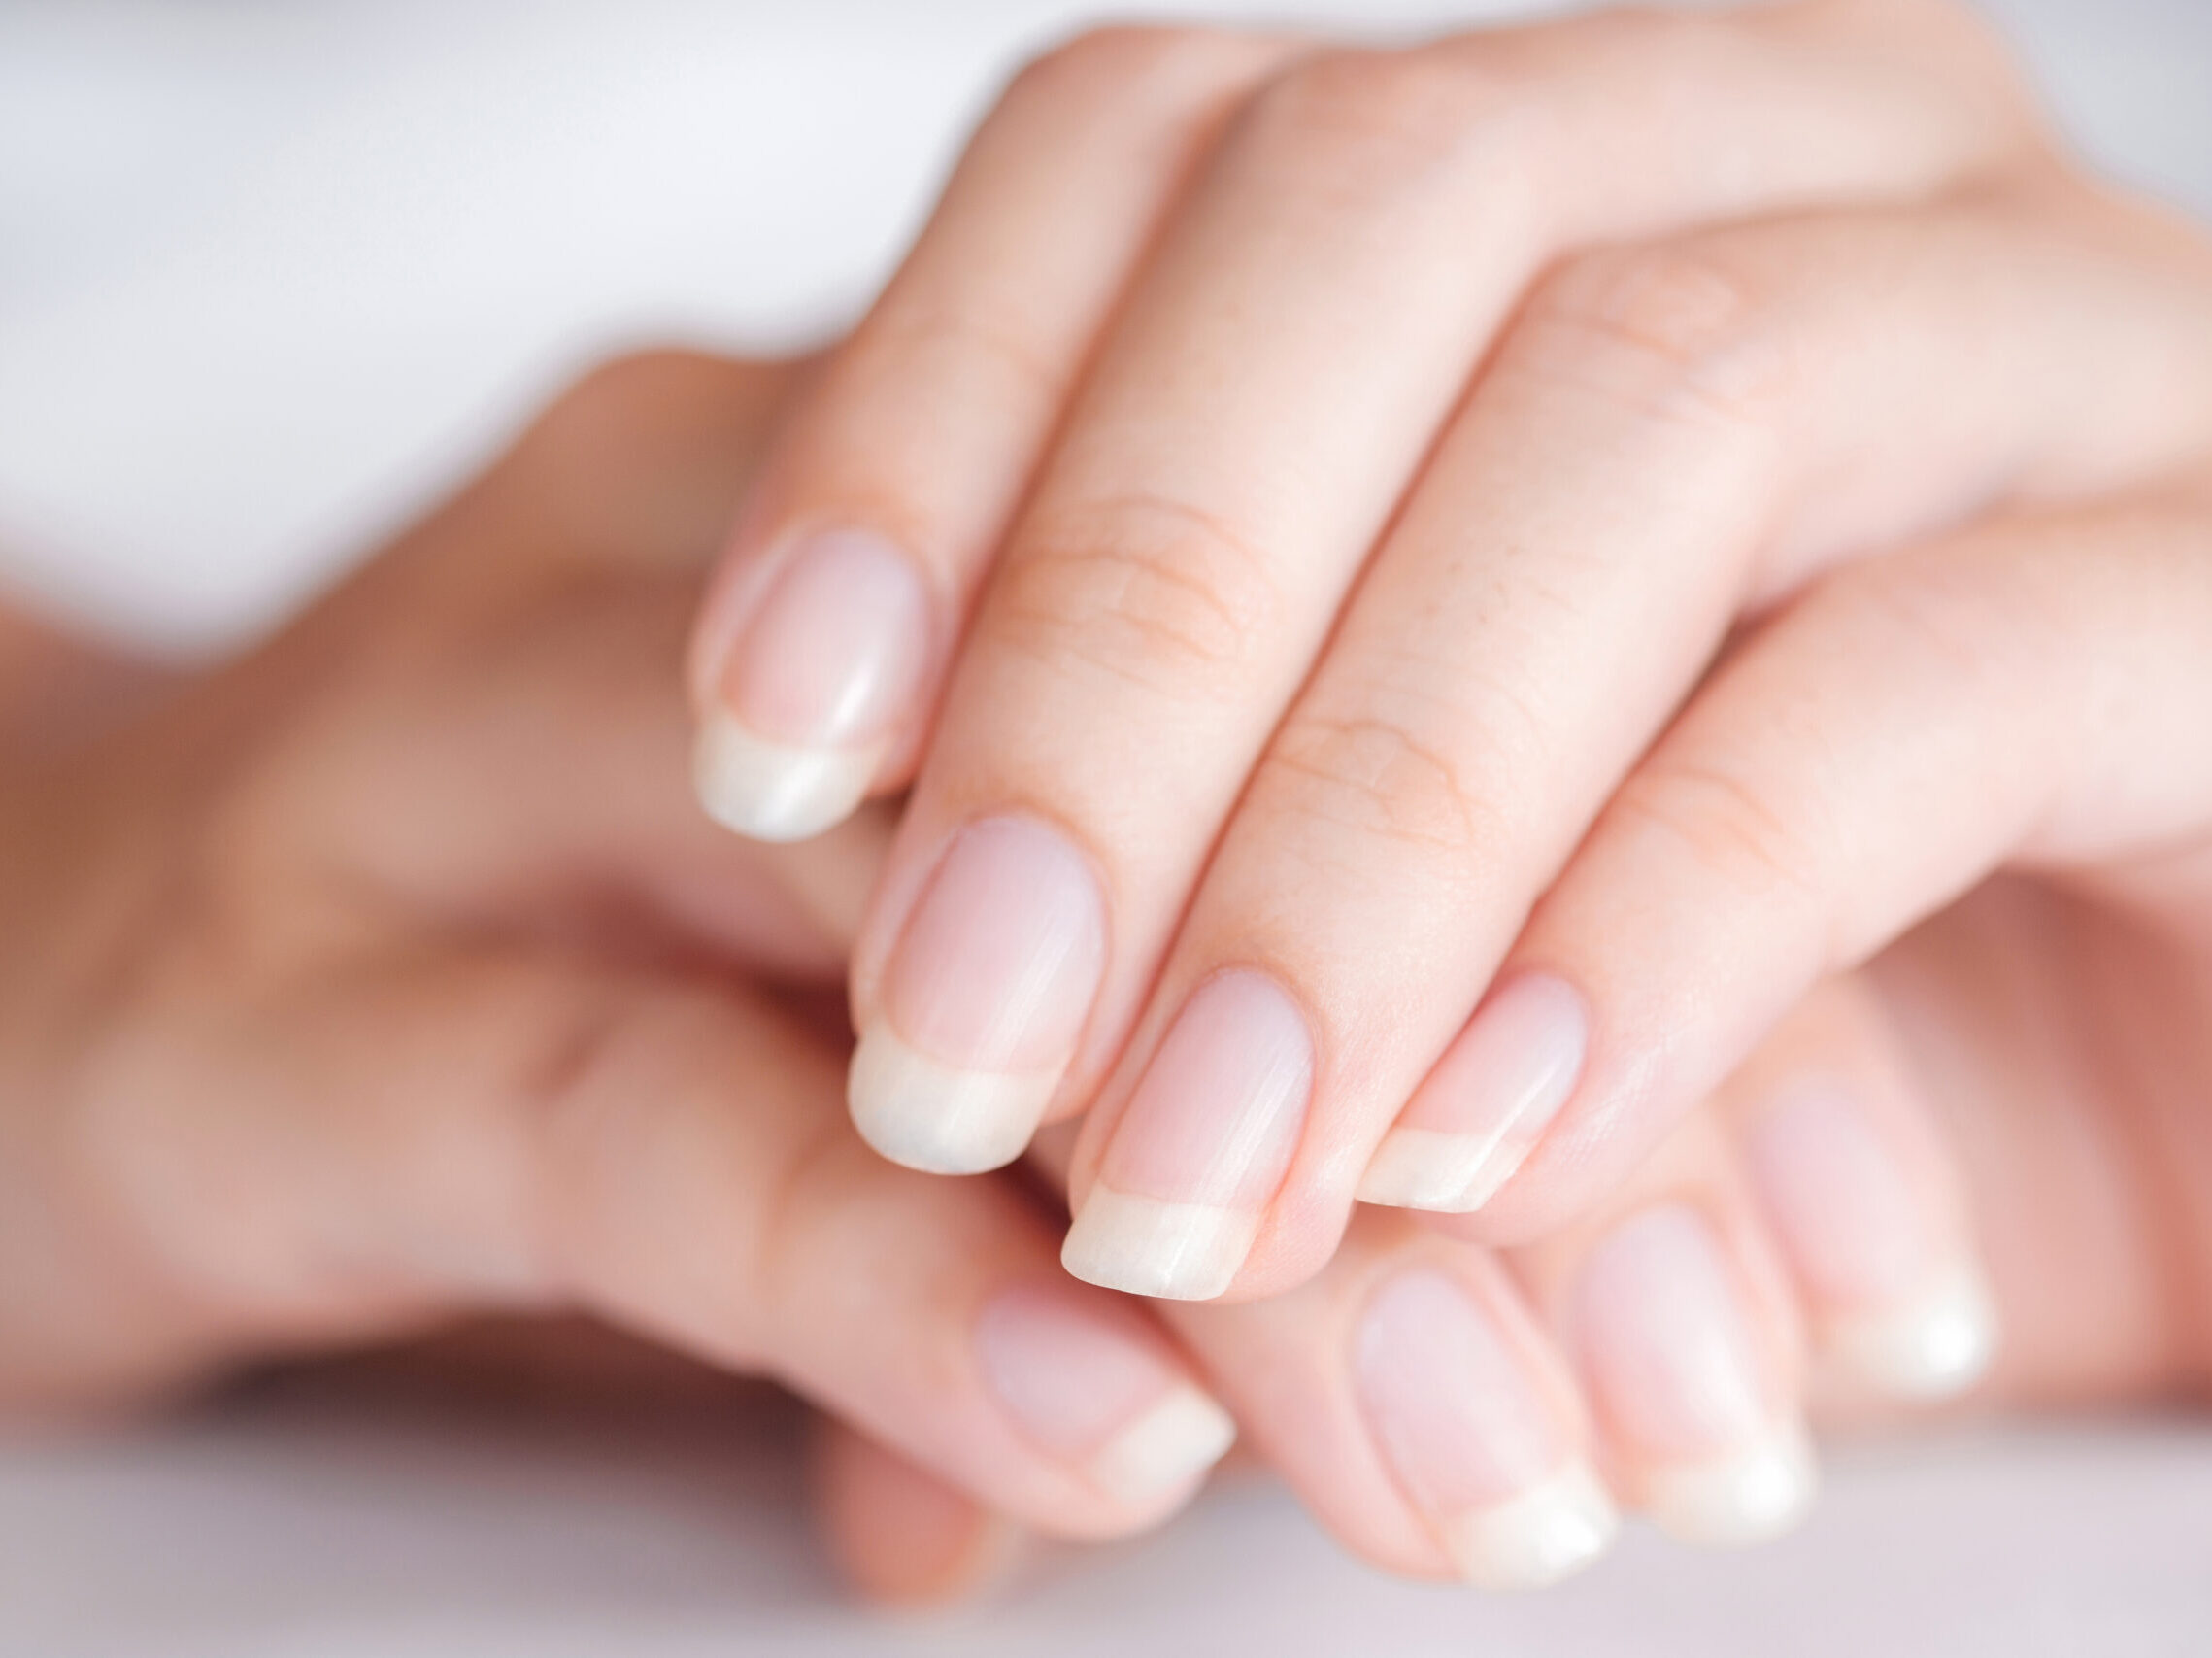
(272,272)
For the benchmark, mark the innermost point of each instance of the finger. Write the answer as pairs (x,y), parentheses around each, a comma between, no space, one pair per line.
(1862,1199)
(2036,701)
(423,1130)
(1687,1342)
(816,661)
(1278,371)
(485,739)
(1416,1408)
(1666,431)
(898,1534)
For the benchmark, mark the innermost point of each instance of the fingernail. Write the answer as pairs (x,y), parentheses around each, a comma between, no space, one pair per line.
(1202,1146)
(1668,1353)
(812,689)
(1471,1439)
(983,1002)
(1477,1116)
(1893,1301)
(1086,1386)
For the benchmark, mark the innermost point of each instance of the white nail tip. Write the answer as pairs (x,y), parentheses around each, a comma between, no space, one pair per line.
(935,1117)
(1166,1448)
(1147,1247)
(1732,1502)
(768,792)
(1938,1345)
(1422,1168)
(1544,1534)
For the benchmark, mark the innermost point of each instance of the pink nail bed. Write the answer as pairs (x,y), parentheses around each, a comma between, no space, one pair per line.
(812,689)
(1895,1301)
(983,1001)
(831,656)
(1086,1385)
(1668,1353)
(1471,1438)
(1202,1145)
(1481,1110)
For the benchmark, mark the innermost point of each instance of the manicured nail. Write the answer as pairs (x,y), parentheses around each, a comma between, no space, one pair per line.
(1893,1300)
(1479,1113)
(1088,1386)
(1201,1147)
(812,689)
(983,1002)
(1471,1439)
(1668,1354)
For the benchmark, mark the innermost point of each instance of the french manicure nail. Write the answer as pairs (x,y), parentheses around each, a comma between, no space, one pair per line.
(983,1002)
(1201,1147)
(1479,1113)
(812,689)
(1471,1439)
(1086,1385)
(1668,1353)
(1893,1301)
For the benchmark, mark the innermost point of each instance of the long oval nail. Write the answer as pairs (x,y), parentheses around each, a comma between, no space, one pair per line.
(1202,1146)
(983,1002)
(1668,1351)
(1471,1439)
(1894,1300)
(1086,1386)
(1479,1113)
(813,687)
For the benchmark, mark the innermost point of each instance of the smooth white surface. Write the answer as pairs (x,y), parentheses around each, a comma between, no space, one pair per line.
(337,1531)
(772,791)
(1147,1246)
(939,1118)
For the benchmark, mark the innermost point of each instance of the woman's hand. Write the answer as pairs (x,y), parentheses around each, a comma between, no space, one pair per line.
(1496,568)
(390,974)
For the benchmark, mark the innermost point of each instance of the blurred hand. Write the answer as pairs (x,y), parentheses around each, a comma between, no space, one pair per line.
(390,974)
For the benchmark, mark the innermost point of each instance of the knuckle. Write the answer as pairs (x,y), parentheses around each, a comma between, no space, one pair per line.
(1688,329)
(945,345)
(1110,61)
(1376,780)
(1728,826)
(1167,597)
(1366,121)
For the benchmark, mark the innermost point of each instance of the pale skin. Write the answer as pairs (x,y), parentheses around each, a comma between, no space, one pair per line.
(303,953)
(388,975)
(1427,599)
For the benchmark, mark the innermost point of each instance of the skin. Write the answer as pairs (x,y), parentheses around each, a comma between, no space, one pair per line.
(318,1038)
(332,935)
(1678,570)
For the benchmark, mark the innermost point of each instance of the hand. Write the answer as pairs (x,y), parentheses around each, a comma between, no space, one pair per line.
(1509,561)
(1448,1413)
(389,975)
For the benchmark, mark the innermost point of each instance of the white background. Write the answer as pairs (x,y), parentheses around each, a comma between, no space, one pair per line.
(270,270)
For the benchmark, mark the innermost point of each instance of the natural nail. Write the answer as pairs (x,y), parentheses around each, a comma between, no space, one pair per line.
(813,687)
(1896,1301)
(1668,1353)
(1471,1439)
(1086,1385)
(1202,1146)
(1479,1113)
(983,1001)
